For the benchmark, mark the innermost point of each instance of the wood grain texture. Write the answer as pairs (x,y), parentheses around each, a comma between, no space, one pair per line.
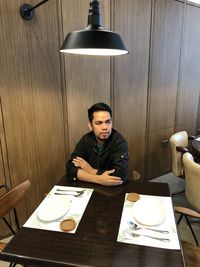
(130,76)
(158,156)
(167,19)
(95,241)
(31,99)
(189,89)
(87,78)
(164,63)
(4,170)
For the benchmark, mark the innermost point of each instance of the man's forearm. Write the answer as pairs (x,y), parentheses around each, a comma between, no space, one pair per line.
(103,179)
(87,177)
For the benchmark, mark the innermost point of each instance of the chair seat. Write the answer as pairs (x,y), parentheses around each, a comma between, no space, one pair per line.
(191,254)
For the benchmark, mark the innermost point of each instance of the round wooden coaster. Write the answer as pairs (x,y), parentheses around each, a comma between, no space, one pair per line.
(133,197)
(67,225)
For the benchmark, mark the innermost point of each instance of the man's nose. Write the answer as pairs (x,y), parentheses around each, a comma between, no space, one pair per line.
(104,126)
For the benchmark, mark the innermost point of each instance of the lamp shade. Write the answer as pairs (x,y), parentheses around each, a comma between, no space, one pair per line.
(94,40)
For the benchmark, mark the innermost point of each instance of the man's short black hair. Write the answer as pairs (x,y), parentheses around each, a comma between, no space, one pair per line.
(98,107)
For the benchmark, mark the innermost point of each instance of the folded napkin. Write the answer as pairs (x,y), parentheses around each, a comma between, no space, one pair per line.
(162,219)
(56,208)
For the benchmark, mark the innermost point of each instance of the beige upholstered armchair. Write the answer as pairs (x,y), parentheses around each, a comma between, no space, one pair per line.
(192,191)
(179,145)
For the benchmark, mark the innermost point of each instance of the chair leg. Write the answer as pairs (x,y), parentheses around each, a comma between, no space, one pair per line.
(9,226)
(196,241)
(12,264)
(179,219)
(16,218)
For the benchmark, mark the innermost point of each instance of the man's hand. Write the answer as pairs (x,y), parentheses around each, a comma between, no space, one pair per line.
(84,165)
(108,180)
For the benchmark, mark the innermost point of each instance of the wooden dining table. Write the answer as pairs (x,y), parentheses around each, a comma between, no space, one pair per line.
(95,240)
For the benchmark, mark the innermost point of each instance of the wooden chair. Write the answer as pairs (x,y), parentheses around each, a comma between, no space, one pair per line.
(8,203)
(192,192)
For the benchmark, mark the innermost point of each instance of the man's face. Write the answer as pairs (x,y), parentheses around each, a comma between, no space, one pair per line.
(101,125)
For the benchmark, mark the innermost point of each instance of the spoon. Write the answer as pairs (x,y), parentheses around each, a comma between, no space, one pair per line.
(153,237)
(136,227)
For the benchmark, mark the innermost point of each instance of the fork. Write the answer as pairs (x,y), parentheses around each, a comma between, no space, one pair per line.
(69,194)
(70,190)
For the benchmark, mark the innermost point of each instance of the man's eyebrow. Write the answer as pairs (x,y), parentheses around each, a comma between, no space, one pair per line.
(103,121)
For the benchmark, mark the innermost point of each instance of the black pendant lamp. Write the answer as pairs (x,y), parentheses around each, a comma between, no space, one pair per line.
(94,40)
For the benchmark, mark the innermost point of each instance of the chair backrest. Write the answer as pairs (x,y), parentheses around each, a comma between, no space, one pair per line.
(179,139)
(192,181)
(10,199)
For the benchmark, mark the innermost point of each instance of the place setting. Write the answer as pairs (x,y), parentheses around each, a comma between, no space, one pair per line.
(148,220)
(61,210)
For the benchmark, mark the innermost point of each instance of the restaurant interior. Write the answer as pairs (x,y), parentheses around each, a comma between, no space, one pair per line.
(44,94)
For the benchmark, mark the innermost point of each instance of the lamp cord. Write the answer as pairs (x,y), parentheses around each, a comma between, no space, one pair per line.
(39,4)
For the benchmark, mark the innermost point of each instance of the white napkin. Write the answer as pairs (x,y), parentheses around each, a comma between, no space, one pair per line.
(198,139)
(74,211)
(168,224)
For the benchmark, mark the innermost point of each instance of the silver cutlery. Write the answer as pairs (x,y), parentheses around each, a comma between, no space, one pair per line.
(70,190)
(153,237)
(75,194)
(134,226)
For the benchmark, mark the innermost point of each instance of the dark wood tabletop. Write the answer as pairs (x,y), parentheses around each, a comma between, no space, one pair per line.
(94,243)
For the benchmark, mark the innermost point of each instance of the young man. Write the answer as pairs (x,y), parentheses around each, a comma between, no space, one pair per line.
(101,156)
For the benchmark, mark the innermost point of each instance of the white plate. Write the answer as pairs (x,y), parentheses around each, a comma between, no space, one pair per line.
(53,208)
(148,212)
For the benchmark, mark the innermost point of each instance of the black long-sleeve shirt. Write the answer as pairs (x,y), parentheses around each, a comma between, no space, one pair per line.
(113,155)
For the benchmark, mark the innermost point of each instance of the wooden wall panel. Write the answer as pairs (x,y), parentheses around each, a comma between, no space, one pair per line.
(158,155)
(4,171)
(165,56)
(87,78)
(130,76)
(163,78)
(32,99)
(189,87)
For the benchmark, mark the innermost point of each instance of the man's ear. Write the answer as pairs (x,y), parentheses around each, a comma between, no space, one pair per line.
(90,126)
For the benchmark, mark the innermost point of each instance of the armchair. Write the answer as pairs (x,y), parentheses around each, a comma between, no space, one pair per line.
(179,143)
(192,189)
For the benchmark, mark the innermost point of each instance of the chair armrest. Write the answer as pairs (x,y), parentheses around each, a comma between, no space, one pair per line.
(187,211)
(182,149)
